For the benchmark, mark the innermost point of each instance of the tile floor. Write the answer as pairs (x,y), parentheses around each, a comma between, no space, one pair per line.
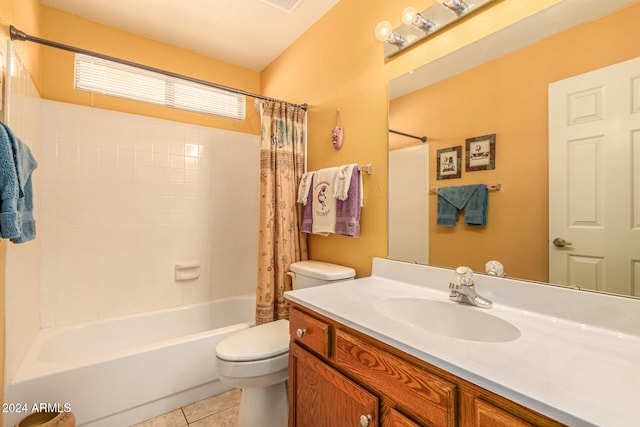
(216,411)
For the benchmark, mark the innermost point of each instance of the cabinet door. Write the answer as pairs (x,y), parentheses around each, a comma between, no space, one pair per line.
(396,419)
(320,396)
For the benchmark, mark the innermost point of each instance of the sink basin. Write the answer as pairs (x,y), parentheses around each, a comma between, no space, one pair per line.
(449,319)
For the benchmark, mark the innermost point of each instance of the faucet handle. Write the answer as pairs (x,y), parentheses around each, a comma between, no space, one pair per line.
(494,268)
(464,276)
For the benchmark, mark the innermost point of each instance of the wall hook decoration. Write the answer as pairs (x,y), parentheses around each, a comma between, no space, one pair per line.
(337,133)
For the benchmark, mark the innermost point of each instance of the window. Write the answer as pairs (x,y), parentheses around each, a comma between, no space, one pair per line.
(112,78)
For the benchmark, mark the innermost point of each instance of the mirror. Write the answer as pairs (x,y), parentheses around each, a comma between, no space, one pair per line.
(497,85)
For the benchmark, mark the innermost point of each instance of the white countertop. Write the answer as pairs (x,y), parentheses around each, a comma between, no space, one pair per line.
(576,372)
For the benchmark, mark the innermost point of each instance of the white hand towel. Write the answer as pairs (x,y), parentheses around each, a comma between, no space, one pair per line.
(343,181)
(305,186)
(324,202)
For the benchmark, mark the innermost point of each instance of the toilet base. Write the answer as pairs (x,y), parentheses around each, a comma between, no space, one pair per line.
(265,406)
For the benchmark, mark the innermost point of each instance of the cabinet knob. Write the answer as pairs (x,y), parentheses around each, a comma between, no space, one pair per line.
(301,332)
(365,420)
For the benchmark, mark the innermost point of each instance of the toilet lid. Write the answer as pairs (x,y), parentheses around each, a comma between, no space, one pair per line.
(256,343)
(322,270)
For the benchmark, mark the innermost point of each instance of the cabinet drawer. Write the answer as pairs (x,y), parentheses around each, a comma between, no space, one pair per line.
(427,397)
(479,408)
(488,415)
(309,331)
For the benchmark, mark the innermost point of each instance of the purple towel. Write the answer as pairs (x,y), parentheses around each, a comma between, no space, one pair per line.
(307,213)
(348,210)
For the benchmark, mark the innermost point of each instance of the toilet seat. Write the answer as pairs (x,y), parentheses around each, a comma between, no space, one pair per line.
(240,374)
(256,343)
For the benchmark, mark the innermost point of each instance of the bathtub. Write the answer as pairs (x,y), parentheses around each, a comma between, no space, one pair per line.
(124,370)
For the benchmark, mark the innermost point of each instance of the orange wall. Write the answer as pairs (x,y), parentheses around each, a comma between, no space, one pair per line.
(508,97)
(57,81)
(25,15)
(338,64)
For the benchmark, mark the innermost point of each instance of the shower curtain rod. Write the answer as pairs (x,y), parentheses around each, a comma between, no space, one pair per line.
(421,138)
(16,34)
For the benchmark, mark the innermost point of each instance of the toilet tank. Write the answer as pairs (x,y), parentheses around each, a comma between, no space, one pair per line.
(313,273)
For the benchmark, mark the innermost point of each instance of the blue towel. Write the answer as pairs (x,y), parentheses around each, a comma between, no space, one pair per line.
(471,198)
(16,192)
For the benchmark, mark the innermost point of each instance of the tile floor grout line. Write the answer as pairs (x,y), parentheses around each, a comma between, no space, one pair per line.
(184,415)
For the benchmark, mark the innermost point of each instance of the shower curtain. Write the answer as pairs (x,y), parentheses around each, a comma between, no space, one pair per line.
(280,241)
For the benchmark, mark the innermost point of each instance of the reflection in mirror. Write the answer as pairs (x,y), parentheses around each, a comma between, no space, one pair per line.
(500,85)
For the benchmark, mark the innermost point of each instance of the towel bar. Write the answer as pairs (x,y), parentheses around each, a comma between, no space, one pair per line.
(368,168)
(492,187)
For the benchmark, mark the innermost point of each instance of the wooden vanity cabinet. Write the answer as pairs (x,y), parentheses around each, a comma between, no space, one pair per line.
(340,377)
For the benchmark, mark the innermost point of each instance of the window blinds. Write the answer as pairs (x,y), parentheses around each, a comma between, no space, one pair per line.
(111,78)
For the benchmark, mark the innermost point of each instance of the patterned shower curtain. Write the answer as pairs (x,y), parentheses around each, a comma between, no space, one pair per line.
(280,241)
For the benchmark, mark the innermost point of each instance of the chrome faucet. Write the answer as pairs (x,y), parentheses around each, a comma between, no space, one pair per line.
(463,289)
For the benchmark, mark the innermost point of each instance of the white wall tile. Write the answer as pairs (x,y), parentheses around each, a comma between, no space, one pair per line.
(132,196)
(22,269)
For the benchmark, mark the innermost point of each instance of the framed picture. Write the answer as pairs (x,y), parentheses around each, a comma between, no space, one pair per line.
(449,162)
(481,153)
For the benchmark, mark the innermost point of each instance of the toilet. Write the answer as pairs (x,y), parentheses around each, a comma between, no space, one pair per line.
(256,360)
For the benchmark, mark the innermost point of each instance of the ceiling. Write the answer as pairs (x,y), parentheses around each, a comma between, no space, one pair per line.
(248,33)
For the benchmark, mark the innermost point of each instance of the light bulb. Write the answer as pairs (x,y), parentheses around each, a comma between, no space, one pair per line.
(408,15)
(411,17)
(383,29)
(384,33)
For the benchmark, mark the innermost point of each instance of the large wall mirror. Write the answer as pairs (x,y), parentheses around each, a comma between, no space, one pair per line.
(507,85)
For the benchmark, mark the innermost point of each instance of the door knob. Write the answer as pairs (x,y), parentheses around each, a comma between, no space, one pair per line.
(560,242)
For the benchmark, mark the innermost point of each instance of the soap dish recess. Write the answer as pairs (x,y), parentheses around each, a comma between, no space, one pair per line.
(187,271)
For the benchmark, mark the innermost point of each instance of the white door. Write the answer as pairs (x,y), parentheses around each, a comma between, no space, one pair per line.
(409,204)
(594,179)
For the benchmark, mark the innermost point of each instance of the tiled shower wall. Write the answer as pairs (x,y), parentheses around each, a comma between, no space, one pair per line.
(124,198)
(22,269)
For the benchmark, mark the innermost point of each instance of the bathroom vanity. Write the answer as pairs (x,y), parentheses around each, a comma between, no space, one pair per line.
(392,350)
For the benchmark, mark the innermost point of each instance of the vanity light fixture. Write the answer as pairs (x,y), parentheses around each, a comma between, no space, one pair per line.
(419,25)
(384,33)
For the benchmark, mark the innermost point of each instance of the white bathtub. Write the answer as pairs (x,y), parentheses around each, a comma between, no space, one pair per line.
(124,370)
